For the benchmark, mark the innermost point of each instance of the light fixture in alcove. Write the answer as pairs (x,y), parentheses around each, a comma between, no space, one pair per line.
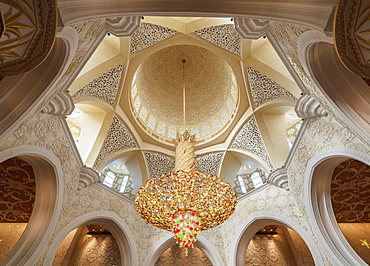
(186,201)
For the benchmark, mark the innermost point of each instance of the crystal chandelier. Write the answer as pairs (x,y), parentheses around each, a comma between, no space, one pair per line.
(185,201)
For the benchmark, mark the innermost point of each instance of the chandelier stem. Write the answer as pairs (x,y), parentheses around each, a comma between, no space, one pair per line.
(183,92)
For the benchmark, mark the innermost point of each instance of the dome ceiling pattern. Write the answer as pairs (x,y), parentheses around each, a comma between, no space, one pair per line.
(249,139)
(147,35)
(155,98)
(104,87)
(224,36)
(118,138)
(211,92)
(264,89)
(159,164)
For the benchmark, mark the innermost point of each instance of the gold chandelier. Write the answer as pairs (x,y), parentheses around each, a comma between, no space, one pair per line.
(185,201)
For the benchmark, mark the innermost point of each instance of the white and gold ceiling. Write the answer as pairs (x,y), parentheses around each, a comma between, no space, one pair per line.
(239,99)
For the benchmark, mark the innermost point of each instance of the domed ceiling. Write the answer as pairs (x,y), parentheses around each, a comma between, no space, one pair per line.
(210,89)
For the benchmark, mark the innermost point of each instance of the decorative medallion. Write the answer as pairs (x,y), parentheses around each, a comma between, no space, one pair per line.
(352,35)
(27,34)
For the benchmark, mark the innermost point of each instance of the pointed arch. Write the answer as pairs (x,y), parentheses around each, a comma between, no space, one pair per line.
(110,220)
(317,193)
(49,192)
(254,222)
(168,241)
(346,93)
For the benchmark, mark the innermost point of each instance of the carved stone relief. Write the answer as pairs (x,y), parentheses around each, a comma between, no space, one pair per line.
(264,89)
(99,250)
(61,105)
(279,178)
(265,250)
(175,256)
(104,87)
(250,28)
(249,139)
(320,134)
(122,26)
(307,107)
(88,177)
(224,36)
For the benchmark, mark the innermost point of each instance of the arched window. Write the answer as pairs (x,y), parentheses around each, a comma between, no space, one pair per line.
(242,185)
(292,124)
(248,178)
(256,179)
(118,178)
(109,179)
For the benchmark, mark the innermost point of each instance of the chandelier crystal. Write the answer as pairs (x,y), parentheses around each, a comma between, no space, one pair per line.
(185,201)
(188,201)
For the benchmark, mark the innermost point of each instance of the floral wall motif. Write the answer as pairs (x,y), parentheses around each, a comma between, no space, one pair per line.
(265,250)
(99,250)
(264,89)
(159,164)
(147,35)
(104,87)
(118,138)
(209,163)
(350,192)
(175,256)
(17,191)
(249,139)
(224,36)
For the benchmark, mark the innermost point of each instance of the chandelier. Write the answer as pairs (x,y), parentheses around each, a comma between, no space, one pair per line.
(185,201)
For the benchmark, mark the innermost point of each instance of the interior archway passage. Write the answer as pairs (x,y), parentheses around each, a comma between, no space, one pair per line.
(17,194)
